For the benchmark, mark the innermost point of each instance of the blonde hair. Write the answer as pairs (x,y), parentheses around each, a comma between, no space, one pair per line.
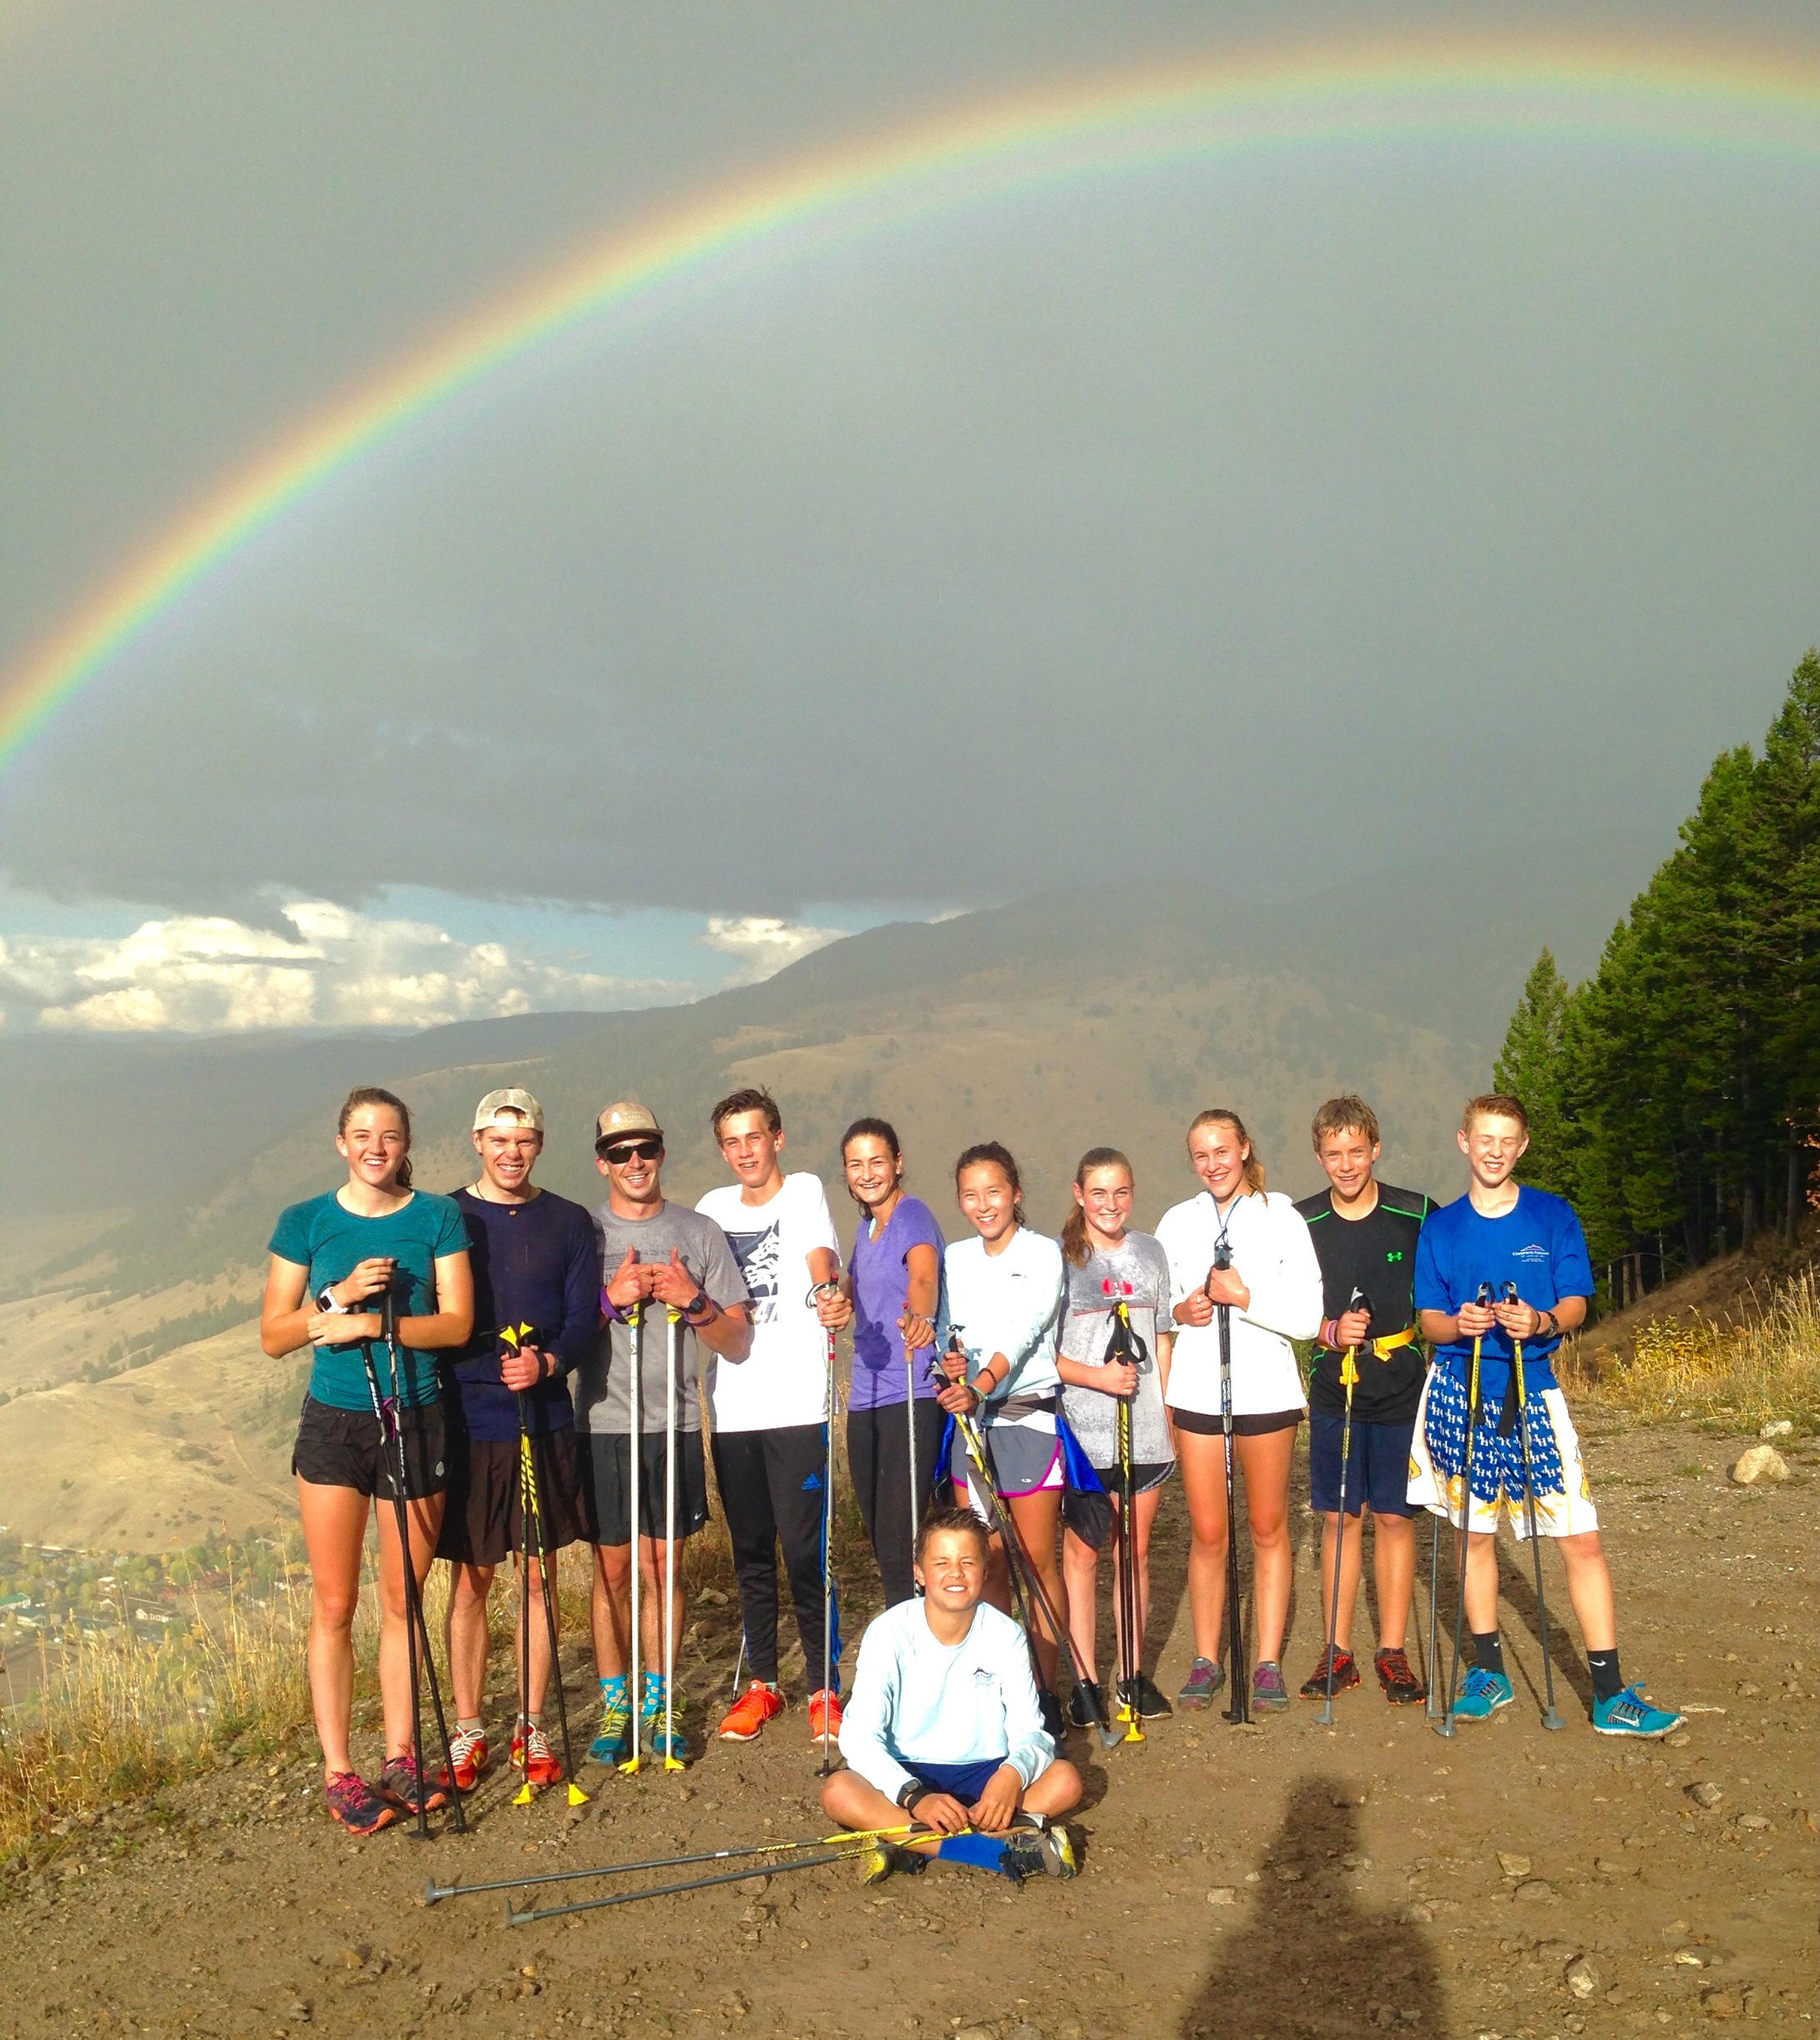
(1493,1105)
(1221,1115)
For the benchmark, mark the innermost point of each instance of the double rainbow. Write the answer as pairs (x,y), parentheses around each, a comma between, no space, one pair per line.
(1631,95)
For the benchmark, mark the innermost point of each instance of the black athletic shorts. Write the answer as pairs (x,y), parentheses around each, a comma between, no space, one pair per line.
(341,1448)
(606,1476)
(1089,1513)
(481,1524)
(1257,1427)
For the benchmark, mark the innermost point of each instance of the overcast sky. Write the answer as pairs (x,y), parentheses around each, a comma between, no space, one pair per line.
(1271,518)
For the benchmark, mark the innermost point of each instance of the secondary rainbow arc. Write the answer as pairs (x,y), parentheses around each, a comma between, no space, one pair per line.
(1308,96)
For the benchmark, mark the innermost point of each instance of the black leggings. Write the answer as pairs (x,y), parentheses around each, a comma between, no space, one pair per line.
(770,1487)
(877,1457)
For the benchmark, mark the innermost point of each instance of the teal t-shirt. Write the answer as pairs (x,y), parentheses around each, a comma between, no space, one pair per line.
(330,1242)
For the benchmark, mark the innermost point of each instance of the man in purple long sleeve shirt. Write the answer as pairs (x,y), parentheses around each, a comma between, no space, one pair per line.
(537,1275)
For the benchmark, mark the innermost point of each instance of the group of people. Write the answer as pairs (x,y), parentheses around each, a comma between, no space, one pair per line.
(1014,1404)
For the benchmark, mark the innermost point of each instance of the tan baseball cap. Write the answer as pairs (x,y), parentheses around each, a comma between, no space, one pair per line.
(515,1106)
(625,1121)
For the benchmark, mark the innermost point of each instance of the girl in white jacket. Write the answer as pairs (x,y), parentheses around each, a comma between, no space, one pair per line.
(1272,1288)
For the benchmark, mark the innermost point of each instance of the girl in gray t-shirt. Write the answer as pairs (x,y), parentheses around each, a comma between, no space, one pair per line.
(1106,1264)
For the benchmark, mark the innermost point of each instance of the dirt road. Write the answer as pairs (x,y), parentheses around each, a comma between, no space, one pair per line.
(1283,1880)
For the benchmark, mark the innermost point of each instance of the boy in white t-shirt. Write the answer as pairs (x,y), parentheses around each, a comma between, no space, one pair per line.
(769,1410)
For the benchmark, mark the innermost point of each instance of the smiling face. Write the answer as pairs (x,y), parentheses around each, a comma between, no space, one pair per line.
(1105,1197)
(373,1143)
(1493,1146)
(751,1148)
(873,1172)
(508,1149)
(1347,1156)
(633,1166)
(952,1571)
(986,1200)
(1218,1157)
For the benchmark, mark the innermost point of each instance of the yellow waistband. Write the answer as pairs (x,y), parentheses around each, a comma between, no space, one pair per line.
(1382,1349)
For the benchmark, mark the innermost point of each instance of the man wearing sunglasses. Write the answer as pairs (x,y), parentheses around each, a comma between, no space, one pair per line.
(658,1256)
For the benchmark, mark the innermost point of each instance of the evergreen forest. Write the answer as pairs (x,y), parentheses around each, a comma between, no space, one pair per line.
(1675,1095)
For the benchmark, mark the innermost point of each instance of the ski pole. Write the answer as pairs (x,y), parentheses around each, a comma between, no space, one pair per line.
(523,1795)
(1130,1656)
(672,1319)
(1238,1707)
(668,1891)
(531,1508)
(1444,1726)
(827,1538)
(1429,1708)
(435,1893)
(1026,1584)
(910,1417)
(635,1443)
(1348,1376)
(1550,1717)
(417,1629)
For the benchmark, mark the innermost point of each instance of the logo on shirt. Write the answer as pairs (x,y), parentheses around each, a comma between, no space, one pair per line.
(1395,1254)
(761,1259)
(1534,1253)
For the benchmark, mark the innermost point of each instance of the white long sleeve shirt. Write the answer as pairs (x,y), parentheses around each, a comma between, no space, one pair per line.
(1274,1256)
(916,1700)
(1009,1303)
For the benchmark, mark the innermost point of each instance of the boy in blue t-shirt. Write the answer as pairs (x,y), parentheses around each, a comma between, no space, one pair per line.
(1503,1233)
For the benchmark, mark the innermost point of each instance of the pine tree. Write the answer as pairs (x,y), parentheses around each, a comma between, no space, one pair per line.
(1531,1067)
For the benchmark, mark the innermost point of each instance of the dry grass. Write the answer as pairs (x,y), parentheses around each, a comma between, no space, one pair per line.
(1748,1374)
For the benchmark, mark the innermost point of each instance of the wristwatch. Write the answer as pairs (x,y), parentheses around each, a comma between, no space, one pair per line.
(910,1793)
(325,1301)
(701,1300)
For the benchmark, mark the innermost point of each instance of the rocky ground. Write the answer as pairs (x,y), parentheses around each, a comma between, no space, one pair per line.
(1285,1880)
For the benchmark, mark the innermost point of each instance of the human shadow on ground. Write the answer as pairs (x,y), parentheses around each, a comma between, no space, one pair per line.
(1317,1948)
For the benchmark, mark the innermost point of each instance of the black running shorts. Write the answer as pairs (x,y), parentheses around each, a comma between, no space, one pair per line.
(1088,1513)
(481,1520)
(341,1448)
(606,1474)
(1259,1425)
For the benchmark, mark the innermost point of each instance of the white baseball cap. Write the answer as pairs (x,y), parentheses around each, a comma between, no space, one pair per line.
(513,1106)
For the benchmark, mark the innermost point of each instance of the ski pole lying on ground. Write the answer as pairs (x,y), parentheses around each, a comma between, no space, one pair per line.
(688,1884)
(1348,1376)
(434,1893)
(1550,1717)
(1444,1726)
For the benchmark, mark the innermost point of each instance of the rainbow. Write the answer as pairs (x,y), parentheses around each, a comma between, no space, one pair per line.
(1623,94)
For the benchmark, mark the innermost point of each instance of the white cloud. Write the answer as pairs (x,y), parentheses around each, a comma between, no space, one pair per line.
(192,974)
(762,945)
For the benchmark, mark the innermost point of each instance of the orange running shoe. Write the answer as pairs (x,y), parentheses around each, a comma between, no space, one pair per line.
(467,1758)
(749,1712)
(531,1756)
(828,1703)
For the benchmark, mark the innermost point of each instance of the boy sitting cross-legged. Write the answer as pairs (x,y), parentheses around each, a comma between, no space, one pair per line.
(942,1728)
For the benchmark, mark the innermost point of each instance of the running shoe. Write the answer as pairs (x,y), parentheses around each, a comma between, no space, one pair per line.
(669,1743)
(398,1781)
(1204,1678)
(1085,1705)
(1629,1713)
(531,1756)
(355,1805)
(1482,1693)
(1143,1695)
(749,1712)
(825,1705)
(887,1859)
(467,1758)
(614,1743)
(1314,1687)
(1048,1853)
(1403,1686)
(1268,1690)
(1052,1715)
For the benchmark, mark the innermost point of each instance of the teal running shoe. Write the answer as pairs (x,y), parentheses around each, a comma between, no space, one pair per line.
(675,1744)
(1629,1713)
(1482,1695)
(614,1744)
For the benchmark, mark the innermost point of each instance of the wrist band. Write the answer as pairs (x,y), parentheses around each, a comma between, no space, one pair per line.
(910,1793)
(611,1311)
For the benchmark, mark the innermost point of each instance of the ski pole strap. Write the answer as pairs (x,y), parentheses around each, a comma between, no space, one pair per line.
(1379,1349)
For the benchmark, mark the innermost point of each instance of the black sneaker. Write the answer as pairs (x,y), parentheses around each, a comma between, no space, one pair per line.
(1345,1669)
(1403,1685)
(1140,1694)
(1052,1715)
(1085,1706)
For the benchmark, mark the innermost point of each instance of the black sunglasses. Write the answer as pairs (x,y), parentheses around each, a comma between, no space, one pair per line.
(619,1155)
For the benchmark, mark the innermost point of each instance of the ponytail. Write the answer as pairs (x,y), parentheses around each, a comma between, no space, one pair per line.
(1075,1248)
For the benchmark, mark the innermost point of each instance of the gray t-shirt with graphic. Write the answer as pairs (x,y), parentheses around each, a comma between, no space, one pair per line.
(1086,1332)
(602,1403)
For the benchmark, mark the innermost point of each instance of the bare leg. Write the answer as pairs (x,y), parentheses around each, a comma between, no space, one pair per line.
(850,1802)
(466,1637)
(651,1601)
(610,1609)
(1080,1578)
(1349,1567)
(1034,1521)
(1481,1582)
(1589,1588)
(1203,1460)
(1393,1568)
(1144,1508)
(539,1684)
(1265,1460)
(334,1530)
(424,1519)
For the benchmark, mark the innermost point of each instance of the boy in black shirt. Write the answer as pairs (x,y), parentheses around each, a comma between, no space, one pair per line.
(1364,1235)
